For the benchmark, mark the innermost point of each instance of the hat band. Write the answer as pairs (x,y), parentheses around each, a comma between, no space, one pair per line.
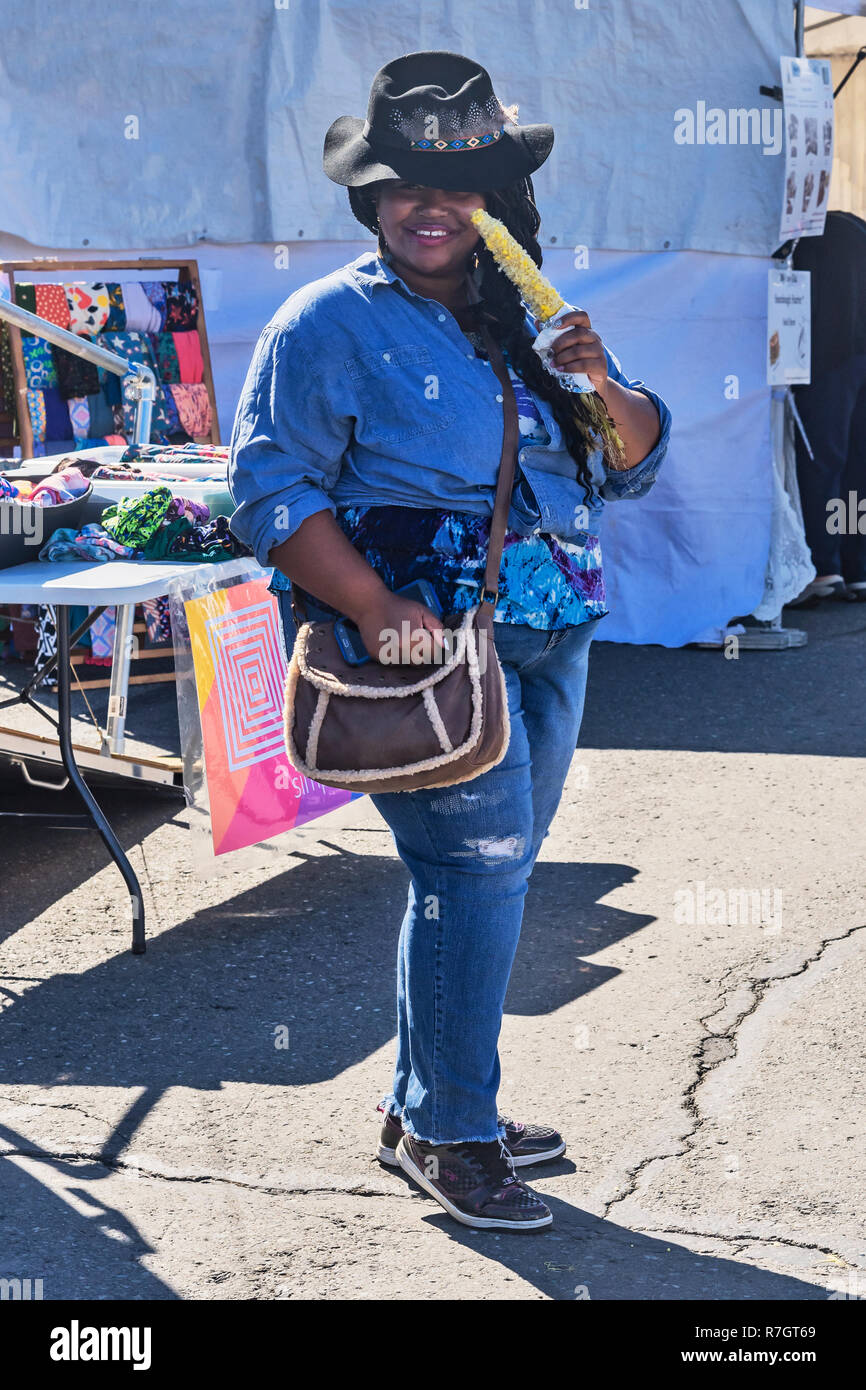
(469,142)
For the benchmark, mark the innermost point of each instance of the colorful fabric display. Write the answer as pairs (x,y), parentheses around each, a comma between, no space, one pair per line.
(211,542)
(163,540)
(7,380)
(193,407)
(50,495)
(91,542)
(119,422)
(181,310)
(155,291)
(75,376)
(72,479)
(177,453)
(102,631)
(165,355)
(101,418)
(136,347)
(135,520)
(25,298)
(39,367)
(157,621)
(46,641)
(141,316)
(79,414)
(52,304)
(88,308)
(110,381)
(36,408)
(7,488)
(58,425)
(116,321)
(195,512)
(173,425)
(123,473)
(188,349)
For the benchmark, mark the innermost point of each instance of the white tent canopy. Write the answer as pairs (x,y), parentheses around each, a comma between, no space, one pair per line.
(228,106)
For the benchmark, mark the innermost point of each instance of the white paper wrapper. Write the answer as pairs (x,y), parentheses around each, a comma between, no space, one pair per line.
(543,345)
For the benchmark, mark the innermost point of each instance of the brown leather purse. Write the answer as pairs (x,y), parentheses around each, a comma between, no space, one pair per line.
(391,728)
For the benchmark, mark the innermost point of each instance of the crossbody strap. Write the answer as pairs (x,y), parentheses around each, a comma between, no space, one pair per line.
(507,466)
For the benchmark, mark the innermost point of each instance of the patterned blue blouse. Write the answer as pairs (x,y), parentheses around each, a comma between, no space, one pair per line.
(544,582)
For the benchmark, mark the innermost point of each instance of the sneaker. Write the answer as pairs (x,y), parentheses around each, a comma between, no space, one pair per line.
(475,1183)
(829,586)
(525,1143)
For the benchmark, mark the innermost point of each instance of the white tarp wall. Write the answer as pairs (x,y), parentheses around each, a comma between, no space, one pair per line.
(227,106)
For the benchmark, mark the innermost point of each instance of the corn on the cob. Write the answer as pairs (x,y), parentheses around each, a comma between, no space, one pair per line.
(545,303)
(538,293)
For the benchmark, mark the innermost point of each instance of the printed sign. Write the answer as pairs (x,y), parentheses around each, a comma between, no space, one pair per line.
(240,672)
(789,328)
(807,87)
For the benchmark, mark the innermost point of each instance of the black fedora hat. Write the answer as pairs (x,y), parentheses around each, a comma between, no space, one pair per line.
(434,119)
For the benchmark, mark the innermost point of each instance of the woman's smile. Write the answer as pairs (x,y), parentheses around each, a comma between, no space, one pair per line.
(428,229)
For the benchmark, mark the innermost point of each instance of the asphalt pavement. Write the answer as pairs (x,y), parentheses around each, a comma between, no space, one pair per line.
(686,1006)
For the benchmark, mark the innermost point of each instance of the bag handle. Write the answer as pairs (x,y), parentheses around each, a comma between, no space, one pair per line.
(504,480)
(507,468)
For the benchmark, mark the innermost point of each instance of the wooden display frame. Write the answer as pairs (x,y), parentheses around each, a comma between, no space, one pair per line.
(187,273)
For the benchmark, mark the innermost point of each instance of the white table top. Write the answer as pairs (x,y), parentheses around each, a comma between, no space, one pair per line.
(88,582)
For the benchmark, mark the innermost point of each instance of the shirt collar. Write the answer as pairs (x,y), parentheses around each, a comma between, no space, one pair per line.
(371,270)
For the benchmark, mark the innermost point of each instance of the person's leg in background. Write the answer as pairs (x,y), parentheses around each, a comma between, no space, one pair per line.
(854,481)
(825,407)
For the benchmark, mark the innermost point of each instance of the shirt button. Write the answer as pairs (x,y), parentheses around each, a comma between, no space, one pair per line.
(441,318)
(386,356)
(499,398)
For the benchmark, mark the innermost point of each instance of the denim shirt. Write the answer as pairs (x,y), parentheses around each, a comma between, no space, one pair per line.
(362,392)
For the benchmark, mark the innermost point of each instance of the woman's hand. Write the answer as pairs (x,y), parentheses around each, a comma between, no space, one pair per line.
(395,629)
(580,349)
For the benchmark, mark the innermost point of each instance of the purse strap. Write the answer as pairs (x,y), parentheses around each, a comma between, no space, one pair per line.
(507,468)
(504,480)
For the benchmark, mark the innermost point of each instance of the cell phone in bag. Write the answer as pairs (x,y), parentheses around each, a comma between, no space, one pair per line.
(349,638)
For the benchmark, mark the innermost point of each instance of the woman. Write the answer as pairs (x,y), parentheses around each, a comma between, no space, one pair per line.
(364,456)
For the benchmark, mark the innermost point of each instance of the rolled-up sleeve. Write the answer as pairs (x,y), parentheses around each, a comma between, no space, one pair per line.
(287,443)
(634,482)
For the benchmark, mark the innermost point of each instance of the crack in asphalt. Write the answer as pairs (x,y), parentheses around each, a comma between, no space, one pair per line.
(760,988)
(269,1189)
(745,1239)
(54,1105)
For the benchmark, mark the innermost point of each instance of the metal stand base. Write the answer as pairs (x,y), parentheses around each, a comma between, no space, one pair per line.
(766,638)
(761,637)
(93,819)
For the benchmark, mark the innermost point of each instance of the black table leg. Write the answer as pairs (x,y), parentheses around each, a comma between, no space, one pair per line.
(67,753)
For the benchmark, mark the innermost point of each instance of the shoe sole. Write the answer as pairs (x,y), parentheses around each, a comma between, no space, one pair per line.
(389,1156)
(411,1169)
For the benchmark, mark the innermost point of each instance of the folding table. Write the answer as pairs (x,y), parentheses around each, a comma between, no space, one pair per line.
(121,584)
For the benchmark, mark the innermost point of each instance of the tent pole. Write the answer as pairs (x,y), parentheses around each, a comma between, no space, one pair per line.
(798,27)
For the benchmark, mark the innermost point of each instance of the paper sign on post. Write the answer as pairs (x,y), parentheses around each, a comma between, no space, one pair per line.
(807,88)
(789,328)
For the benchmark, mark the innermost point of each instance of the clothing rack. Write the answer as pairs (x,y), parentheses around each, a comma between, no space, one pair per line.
(94,270)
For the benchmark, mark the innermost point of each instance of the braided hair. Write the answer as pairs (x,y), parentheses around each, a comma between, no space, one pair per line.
(578,415)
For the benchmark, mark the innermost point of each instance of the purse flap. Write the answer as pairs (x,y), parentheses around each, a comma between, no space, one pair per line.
(320,661)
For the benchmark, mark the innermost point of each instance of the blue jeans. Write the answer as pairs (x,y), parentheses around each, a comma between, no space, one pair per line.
(470,850)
